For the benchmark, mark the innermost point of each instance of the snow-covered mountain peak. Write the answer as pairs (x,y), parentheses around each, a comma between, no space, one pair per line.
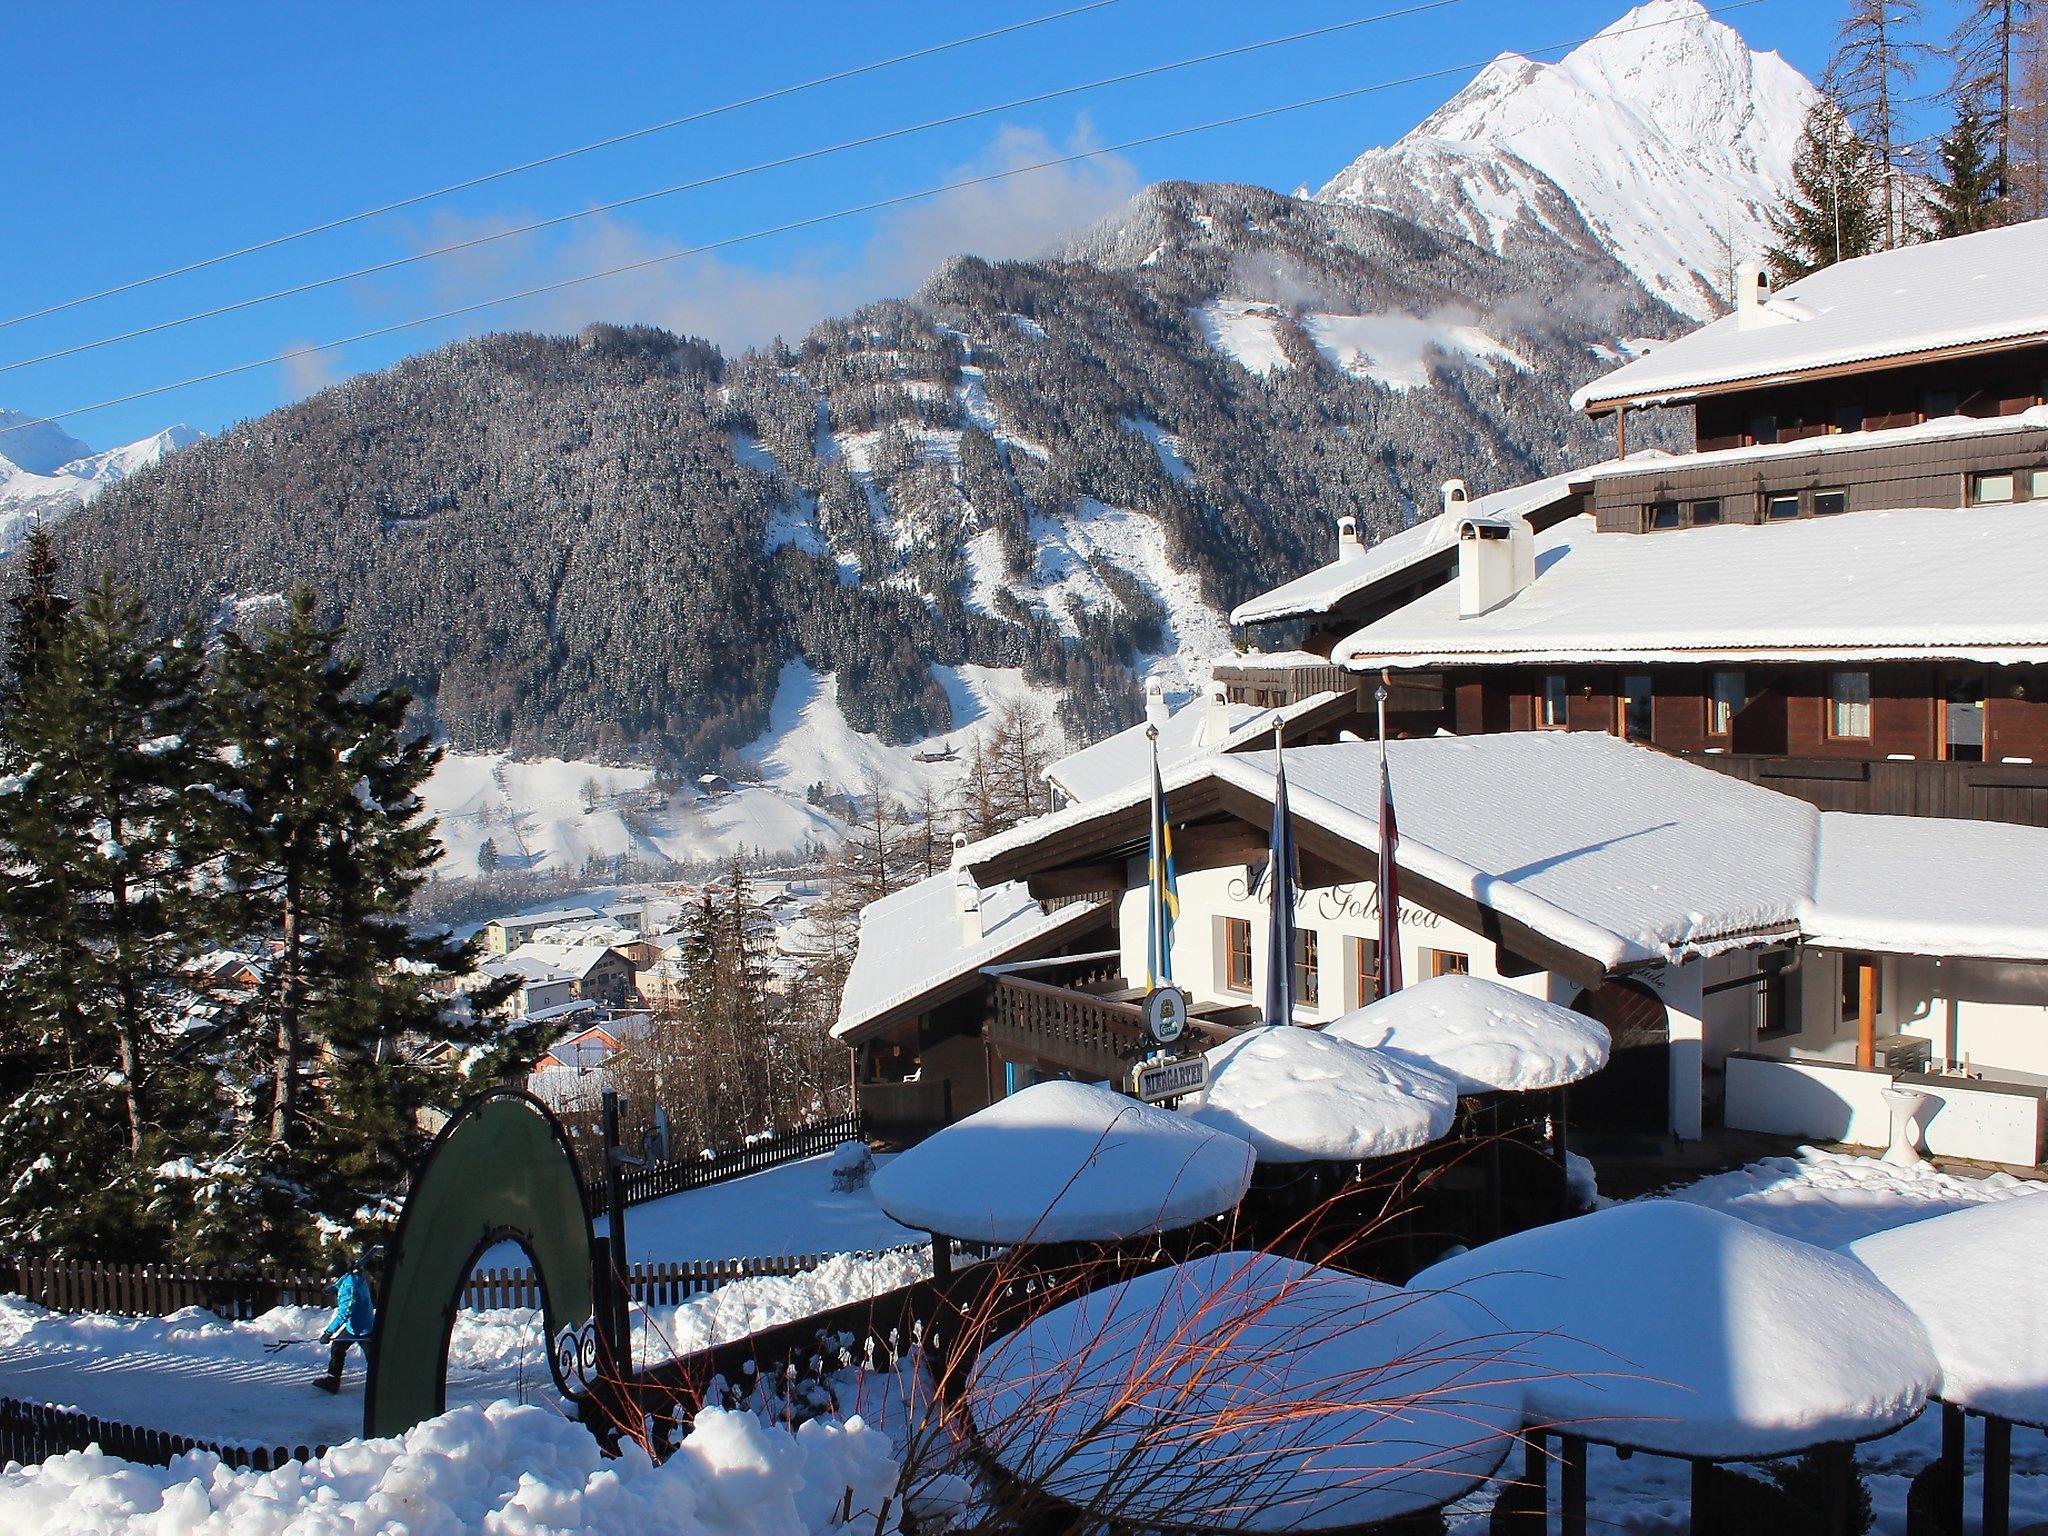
(29,494)
(1669,134)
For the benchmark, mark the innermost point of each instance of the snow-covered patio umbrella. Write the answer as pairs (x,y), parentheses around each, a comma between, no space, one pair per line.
(1249,1392)
(1485,1037)
(1974,1279)
(1064,1163)
(1299,1096)
(1666,1327)
(1493,1042)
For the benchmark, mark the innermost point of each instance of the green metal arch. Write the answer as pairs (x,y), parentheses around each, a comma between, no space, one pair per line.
(500,1169)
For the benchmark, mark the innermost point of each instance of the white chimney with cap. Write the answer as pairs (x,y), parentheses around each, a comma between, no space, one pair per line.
(1156,711)
(1496,555)
(966,893)
(1349,545)
(1752,289)
(1216,723)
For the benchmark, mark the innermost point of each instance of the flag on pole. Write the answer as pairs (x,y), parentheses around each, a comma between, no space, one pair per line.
(1163,903)
(1389,883)
(1280,887)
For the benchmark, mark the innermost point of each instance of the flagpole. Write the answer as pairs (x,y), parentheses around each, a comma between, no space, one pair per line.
(1388,878)
(1280,896)
(1152,871)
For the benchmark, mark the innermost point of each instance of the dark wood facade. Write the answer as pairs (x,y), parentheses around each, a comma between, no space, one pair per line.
(1874,399)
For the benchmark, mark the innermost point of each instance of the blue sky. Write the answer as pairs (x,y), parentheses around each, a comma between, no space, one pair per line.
(143,136)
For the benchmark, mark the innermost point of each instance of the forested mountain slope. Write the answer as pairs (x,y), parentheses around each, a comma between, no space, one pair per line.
(610,544)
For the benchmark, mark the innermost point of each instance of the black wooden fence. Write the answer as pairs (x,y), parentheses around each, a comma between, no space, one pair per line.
(810,1140)
(33,1432)
(156,1290)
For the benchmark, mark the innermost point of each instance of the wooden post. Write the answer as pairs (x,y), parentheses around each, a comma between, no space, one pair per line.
(1997,1476)
(1955,1433)
(1536,1478)
(1560,1128)
(942,1256)
(1621,431)
(1571,1489)
(1866,1014)
(1838,1487)
(1705,1518)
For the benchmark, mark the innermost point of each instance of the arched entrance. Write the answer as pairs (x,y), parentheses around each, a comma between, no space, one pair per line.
(501,1169)
(1633,1091)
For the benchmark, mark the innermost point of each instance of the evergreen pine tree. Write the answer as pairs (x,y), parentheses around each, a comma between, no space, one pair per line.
(104,902)
(1965,196)
(325,849)
(37,606)
(1835,209)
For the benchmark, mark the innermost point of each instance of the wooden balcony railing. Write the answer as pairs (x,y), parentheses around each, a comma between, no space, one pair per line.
(1082,1032)
(2013,792)
(907,1109)
(1270,686)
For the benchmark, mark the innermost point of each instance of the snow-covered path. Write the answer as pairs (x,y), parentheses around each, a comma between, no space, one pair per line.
(193,1374)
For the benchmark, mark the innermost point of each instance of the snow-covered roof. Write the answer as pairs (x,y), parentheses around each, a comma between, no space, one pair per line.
(547,919)
(577,960)
(1628,856)
(1972,291)
(1619,853)
(1118,761)
(1392,558)
(1302,1096)
(1929,885)
(1482,1035)
(1927,582)
(528,966)
(1671,1328)
(1973,1278)
(1065,1162)
(1249,1392)
(911,942)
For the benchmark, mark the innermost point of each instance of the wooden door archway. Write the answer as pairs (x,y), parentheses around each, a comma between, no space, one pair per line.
(1633,1091)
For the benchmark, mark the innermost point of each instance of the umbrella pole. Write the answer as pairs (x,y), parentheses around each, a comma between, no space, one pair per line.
(1838,1464)
(1997,1475)
(1571,1488)
(1955,1433)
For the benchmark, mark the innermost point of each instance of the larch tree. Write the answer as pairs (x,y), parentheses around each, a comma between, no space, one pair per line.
(1876,61)
(1835,208)
(1987,47)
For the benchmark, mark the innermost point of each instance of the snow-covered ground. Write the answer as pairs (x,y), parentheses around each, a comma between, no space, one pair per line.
(553,815)
(503,1469)
(38,483)
(791,1209)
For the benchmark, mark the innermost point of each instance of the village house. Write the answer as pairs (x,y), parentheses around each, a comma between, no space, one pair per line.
(598,973)
(1834,593)
(502,935)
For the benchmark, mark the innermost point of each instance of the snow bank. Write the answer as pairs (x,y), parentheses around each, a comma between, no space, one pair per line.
(1480,1034)
(748,1306)
(1973,1278)
(1670,1328)
(1065,1162)
(1250,1392)
(1298,1095)
(503,1469)
(1829,1199)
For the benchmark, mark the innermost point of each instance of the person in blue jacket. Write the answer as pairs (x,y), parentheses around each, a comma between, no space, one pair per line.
(355,1318)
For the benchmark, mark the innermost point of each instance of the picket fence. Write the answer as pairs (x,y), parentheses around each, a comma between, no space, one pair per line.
(157,1290)
(33,1432)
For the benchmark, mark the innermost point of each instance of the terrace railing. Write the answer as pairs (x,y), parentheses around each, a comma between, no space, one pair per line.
(770,1152)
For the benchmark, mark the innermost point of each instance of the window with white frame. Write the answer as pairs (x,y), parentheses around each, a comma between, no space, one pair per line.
(1849,705)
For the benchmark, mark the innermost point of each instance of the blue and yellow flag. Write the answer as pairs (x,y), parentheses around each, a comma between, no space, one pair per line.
(1163,900)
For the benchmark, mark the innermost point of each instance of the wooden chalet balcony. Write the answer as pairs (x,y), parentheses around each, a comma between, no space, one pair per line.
(906,1111)
(1039,1014)
(1283,685)
(2012,792)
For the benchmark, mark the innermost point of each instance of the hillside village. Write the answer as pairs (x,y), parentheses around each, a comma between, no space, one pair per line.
(1323,914)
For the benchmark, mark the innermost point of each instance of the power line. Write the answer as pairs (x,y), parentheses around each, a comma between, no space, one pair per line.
(778,94)
(813,220)
(865,142)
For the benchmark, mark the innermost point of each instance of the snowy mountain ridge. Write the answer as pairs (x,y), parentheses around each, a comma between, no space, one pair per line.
(37,486)
(1666,133)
